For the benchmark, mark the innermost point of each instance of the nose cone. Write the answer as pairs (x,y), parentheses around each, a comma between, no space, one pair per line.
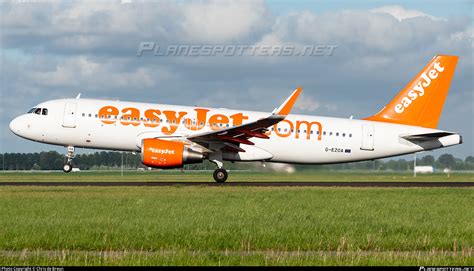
(17,126)
(22,126)
(13,125)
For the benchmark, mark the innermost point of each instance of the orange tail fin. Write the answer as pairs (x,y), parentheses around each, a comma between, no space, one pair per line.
(420,103)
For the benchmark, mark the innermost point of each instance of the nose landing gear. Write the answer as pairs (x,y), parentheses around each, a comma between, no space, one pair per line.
(67,167)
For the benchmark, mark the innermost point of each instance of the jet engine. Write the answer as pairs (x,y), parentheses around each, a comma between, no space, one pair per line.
(159,153)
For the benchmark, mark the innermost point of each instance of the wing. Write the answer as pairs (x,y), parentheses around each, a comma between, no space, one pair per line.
(232,137)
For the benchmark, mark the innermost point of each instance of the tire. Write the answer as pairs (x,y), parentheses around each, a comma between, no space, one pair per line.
(67,167)
(220,175)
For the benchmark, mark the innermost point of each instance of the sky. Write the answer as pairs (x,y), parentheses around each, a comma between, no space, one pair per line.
(54,49)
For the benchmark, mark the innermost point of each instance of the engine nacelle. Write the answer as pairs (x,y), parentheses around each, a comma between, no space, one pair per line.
(168,154)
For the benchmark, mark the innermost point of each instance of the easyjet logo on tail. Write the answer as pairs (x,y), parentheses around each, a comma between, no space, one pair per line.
(419,89)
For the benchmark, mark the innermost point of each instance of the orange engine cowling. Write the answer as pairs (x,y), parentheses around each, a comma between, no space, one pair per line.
(168,154)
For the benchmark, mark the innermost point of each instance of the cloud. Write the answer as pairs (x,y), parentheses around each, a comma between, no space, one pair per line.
(400,13)
(221,21)
(82,70)
(360,30)
(110,27)
(307,104)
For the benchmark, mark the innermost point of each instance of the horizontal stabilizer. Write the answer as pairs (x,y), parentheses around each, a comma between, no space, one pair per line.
(437,140)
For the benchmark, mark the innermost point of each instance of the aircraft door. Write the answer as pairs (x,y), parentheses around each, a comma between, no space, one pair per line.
(367,138)
(69,119)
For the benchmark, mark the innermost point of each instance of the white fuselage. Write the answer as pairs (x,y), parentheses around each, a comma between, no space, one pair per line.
(78,122)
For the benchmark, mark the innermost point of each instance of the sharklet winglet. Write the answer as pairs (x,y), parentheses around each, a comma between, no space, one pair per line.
(286,107)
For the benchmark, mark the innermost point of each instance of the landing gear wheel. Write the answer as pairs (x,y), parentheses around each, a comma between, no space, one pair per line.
(220,175)
(67,167)
(70,155)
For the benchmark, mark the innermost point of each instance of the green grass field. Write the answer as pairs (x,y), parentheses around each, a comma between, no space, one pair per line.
(234,176)
(184,225)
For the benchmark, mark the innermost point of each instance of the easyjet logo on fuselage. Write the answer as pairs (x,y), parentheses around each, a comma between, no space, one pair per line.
(173,119)
(419,89)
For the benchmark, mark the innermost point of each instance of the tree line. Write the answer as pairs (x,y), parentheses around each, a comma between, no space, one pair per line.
(52,160)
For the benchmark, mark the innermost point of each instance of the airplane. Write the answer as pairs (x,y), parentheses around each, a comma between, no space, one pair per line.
(170,136)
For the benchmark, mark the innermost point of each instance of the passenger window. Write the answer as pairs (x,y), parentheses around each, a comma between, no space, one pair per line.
(45,111)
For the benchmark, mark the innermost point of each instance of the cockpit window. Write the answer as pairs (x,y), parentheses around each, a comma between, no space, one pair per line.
(38,111)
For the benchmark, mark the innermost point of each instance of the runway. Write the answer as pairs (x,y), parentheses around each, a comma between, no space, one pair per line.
(257,184)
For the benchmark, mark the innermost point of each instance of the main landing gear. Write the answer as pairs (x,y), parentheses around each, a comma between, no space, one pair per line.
(67,167)
(220,174)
